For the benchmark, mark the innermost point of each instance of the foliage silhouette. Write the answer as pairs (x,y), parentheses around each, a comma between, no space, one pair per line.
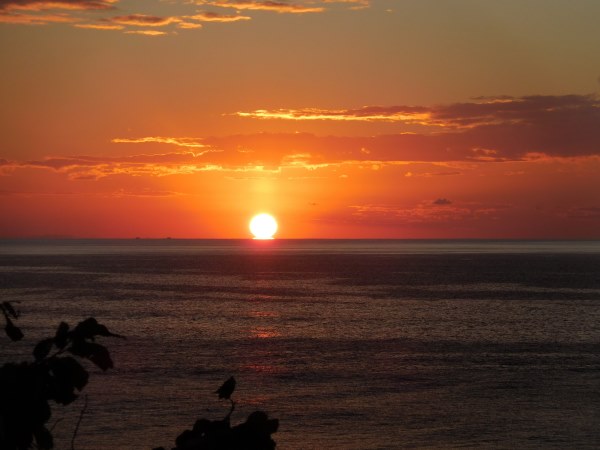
(26,388)
(12,331)
(226,389)
(253,434)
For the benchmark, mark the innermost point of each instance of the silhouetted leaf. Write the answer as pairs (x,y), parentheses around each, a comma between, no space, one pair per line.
(12,331)
(10,310)
(101,358)
(86,329)
(27,387)
(67,375)
(101,330)
(61,336)
(96,353)
(90,328)
(226,389)
(41,350)
(43,437)
(181,440)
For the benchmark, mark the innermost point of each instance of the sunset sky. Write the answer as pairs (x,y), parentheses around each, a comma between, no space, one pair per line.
(342,118)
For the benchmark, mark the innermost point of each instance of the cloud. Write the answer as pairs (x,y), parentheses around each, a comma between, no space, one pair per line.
(188,25)
(143,20)
(38,19)
(216,17)
(275,6)
(44,5)
(406,114)
(93,168)
(99,26)
(533,139)
(442,202)
(483,111)
(422,213)
(178,141)
(27,12)
(24,12)
(497,129)
(534,129)
(147,32)
(146,192)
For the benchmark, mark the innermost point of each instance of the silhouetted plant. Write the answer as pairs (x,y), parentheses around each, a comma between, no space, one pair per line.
(55,374)
(12,331)
(254,434)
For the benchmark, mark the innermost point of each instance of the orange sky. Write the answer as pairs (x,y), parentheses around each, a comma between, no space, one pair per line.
(344,119)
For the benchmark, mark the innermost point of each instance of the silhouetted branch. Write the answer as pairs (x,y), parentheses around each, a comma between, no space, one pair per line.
(55,375)
(255,433)
(85,404)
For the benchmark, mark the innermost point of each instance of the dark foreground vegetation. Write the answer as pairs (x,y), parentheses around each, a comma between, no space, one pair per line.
(58,374)
(253,434)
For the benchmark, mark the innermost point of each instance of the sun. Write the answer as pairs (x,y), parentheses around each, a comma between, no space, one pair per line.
(263,226)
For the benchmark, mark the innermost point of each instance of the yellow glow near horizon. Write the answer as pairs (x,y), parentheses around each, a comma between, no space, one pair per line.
(263,226)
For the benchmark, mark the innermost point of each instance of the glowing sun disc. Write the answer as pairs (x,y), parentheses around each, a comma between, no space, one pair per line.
(263,226)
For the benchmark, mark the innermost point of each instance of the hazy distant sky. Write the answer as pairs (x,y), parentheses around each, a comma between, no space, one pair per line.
(347,118)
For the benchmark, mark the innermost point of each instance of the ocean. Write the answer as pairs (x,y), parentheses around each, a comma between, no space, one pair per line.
(373,344)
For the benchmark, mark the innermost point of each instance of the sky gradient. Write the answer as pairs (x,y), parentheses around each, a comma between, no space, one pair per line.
(343,119)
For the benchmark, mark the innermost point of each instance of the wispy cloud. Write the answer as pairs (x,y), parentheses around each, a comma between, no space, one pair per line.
(487,129)
(535,129)
(178,141)
(147,32)
(44,5)
(37,19)
(275,6)
(99,26)
(40,12)
(90,167)
(216,17)
(142,20)
(532,128)
(478,113)
(422,213)
(442,201)
(27,12)
(406,114)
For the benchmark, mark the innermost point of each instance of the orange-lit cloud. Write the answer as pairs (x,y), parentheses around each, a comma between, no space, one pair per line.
(332,181)
(143,20)
(147,32)
(424,213)
(216,17)
(23,12)
(276,152)
(90,167)
(26,12)
(537,129)
(189,25)
(37,19)
(99,26)
(486,130)
(403,114)
(275,6)
(480,113)
(43,5)
(524,129)
(178,141)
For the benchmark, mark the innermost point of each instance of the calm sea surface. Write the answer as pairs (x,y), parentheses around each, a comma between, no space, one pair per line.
(351,344)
